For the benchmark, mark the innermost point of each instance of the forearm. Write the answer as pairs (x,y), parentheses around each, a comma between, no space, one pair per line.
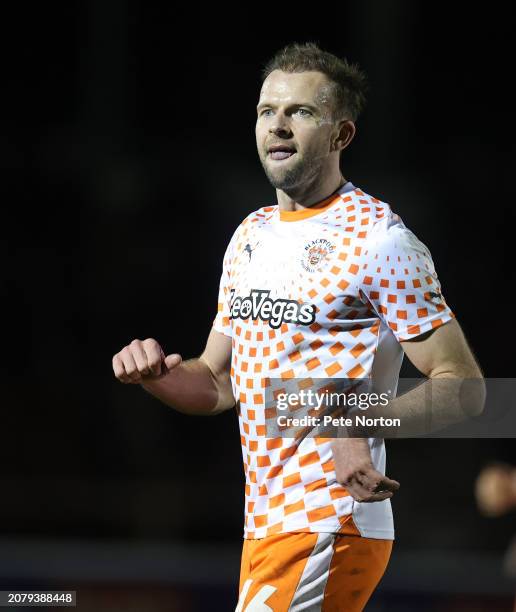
(192,388)
(437,403)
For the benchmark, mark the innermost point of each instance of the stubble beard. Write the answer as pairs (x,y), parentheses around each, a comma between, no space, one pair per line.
(291,179)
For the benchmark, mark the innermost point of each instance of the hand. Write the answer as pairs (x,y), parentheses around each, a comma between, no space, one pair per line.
(355,471)
(143,360)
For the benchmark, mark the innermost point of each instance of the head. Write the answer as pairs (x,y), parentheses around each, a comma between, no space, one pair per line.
(309,103)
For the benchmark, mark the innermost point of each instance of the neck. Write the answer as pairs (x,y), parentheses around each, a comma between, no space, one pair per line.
(308,195)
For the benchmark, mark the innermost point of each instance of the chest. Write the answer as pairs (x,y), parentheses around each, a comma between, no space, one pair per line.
(300,271)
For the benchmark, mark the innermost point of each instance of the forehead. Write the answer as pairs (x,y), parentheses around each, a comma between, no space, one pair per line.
(285,87)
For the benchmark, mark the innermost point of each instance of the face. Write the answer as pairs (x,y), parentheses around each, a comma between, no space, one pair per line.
(294,127)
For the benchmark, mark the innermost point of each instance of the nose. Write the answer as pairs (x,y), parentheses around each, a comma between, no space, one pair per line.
(279,126)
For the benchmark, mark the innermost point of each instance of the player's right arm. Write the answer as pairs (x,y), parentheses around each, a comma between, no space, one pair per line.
(200,386)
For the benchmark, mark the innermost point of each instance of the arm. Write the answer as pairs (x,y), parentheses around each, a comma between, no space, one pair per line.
(444,356)
(199,386)
(410,302)
(442,353)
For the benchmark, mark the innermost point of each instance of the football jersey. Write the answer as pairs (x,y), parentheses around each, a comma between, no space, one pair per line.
(324,292)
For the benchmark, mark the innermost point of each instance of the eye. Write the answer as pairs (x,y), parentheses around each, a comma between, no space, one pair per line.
(265,112)
(304,112)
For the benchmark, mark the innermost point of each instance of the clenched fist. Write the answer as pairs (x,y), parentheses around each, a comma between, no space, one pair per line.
(143,360)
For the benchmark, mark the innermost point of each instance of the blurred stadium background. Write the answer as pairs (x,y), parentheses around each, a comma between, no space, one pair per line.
(128,145)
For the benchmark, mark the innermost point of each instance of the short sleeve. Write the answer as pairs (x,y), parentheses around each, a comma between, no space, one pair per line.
(398,278)
(222,321)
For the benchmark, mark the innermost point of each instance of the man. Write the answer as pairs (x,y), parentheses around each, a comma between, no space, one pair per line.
(327,284)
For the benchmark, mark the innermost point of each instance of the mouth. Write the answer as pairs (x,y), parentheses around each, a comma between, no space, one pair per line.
(281,152)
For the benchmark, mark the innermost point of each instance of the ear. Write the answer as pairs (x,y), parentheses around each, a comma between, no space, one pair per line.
(344,134)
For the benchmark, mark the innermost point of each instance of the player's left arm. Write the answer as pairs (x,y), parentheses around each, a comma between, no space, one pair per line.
(444,356)
(406,293)
(444,353)
(455,390)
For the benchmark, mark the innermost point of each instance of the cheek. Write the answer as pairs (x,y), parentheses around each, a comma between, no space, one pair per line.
(312,139)
(259,132)
(322,136)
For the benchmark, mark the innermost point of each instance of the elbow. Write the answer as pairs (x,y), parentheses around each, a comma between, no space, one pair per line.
(474,393)
(221,408)
(481,389)
(226,401)
(225,398)
(469,383)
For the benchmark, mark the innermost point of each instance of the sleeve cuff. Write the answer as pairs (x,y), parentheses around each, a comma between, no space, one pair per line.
(413,331)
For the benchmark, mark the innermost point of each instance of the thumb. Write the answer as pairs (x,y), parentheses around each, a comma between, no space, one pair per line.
(172,361)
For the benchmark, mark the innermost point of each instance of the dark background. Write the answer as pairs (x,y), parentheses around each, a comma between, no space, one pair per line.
(130,158)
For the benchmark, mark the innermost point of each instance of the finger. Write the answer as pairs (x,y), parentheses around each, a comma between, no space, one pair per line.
(375,481)
(154,354)
(363,495)
(130,366)
(172,361)
(376,497)
(140,357)
(387,484)
(358,492)
(119,370)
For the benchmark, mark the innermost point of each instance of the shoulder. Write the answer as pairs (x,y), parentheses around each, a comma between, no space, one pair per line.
(377,215)
(260,216)
(386,229)
(250,223)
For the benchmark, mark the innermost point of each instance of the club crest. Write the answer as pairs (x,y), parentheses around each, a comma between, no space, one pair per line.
(316,254)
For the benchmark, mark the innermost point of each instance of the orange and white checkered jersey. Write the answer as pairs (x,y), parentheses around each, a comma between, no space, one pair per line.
(333,290)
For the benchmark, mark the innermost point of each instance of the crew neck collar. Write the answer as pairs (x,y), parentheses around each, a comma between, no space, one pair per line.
(318,207)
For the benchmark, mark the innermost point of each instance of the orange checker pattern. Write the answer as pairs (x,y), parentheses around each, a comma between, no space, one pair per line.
(368,280)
